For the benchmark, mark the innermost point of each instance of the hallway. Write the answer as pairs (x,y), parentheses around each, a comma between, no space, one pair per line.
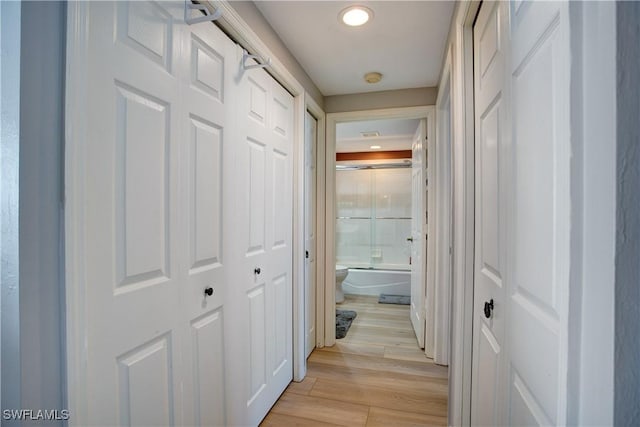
(375,376)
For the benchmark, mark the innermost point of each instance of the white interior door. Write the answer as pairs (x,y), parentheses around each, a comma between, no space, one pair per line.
(262,296)
(490,37)
(153,216)
(310,143)
(207,156)
(522,243)
(418,232)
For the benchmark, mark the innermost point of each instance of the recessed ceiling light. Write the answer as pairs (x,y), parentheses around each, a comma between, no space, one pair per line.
(375,147)
(354,16)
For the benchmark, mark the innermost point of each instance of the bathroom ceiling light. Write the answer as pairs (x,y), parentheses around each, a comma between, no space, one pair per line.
(375,147)
(373,77)
(354,16)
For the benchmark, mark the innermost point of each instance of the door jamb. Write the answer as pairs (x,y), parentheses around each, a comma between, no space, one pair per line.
(318,113)
(463,170)
(420,112)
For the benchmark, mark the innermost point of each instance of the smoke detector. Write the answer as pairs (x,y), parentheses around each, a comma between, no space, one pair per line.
(373,77)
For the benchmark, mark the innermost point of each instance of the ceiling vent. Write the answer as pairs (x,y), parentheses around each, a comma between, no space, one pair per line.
(370,134)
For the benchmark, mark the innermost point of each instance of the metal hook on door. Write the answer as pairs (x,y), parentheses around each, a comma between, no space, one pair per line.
(207,17)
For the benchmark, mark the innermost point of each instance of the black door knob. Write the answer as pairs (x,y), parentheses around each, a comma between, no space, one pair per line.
(488,308)
(257,270)
(306,254)
(208,291)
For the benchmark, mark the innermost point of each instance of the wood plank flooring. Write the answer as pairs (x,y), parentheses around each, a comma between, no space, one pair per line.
(375,376)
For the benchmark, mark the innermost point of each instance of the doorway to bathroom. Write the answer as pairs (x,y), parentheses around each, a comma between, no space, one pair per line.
(377,176)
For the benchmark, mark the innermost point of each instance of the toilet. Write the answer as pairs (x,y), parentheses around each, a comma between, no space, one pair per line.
(341,274)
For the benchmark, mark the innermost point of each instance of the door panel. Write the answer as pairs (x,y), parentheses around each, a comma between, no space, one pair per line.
(538,301)
(418,233)
(131,262)
(264,179)
(156,162)
(145,384)
(207,340)
(205,68)
(522,259)
(491,118)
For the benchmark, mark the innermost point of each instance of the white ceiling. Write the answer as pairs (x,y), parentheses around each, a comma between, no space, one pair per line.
(405,42)
(396,134)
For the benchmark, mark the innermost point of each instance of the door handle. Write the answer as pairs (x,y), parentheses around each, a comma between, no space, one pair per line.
(488,308)
(256,270)
(306,254)
(208,291)
(409,239)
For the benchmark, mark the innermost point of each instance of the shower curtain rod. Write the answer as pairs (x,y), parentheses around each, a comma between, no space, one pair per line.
(374,166)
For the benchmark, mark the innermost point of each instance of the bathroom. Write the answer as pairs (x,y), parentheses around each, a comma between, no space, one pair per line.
(374,211)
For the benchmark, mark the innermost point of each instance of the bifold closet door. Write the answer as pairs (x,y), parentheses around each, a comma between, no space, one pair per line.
(155,161)
(206,187)
(260,307)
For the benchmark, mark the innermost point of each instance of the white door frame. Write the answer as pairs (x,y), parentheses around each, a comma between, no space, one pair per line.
(461,44)
(75,131)
(317,112)
(333,119)
(443,216)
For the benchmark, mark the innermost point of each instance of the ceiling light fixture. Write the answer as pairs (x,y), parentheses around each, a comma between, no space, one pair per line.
(355,16)
(375,147)
(373,77)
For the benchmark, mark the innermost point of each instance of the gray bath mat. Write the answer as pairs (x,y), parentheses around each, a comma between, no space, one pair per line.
(394,299)
(343,322)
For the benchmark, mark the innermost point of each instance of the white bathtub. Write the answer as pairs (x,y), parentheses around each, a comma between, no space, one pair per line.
(376,282)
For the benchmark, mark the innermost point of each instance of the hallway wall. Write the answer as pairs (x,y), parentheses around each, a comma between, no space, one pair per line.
(627,304)
(415,97)
(42,68)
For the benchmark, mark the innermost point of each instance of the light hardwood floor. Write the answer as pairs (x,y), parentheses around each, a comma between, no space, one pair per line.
(375,376)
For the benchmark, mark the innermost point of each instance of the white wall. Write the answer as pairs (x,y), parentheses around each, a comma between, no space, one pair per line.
(378,100)
(9,196)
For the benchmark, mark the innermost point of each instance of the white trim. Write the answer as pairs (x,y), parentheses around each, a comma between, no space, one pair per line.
(76,135)
(461,45)
(320,116)
(592,295)
(330,184)
(443,205)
